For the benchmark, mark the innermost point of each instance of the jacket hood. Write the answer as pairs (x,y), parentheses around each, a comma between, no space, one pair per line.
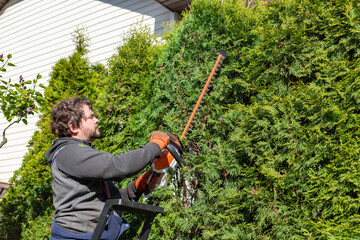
(60,142)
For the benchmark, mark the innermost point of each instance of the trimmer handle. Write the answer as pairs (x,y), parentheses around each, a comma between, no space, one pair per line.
(175,153)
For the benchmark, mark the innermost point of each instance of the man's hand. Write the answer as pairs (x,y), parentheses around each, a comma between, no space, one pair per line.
(147,181)
(142,183)
(160,138)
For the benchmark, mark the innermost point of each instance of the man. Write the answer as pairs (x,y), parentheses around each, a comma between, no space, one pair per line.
(82,176)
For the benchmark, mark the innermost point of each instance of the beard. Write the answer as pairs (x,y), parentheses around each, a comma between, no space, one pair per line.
(94,135)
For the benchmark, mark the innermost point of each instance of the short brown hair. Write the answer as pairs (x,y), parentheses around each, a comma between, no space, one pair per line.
(67,110)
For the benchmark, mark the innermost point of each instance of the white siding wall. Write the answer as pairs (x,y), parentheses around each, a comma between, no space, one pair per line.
(38,33)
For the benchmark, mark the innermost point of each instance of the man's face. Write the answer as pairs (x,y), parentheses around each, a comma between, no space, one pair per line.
(88,129)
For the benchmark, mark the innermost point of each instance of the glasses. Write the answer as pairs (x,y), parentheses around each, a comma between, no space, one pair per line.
(92,116)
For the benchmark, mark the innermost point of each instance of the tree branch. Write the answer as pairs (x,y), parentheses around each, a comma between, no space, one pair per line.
(4,138)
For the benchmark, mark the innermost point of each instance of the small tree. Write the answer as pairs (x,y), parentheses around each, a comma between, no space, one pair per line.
(17,100)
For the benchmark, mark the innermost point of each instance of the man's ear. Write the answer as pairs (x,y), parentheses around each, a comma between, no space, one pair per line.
(74,131)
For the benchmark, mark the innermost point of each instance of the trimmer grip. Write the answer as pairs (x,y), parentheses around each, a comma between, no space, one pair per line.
(175,154)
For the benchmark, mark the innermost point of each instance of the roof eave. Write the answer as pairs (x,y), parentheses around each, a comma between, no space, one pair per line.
(2,3)
(175,5)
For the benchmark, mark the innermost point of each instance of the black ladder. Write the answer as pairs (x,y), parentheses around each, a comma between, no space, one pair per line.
(149,211)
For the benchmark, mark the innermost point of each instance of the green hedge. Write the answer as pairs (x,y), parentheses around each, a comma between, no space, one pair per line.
(273,151)
(123,94)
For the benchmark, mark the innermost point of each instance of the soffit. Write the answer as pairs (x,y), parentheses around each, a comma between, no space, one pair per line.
(2,3)
(175,5)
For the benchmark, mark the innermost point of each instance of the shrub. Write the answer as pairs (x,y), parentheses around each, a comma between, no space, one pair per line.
(123,94)
(272,154)
(127,88)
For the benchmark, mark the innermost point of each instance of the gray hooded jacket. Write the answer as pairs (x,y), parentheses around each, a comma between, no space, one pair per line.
(78,174)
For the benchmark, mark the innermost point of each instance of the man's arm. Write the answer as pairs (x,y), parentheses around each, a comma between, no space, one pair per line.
(129,193)
(87,163)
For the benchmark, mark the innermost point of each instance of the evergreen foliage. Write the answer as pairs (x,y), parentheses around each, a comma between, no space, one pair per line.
(273,151)
(123,94)
(127,88)
(26,210)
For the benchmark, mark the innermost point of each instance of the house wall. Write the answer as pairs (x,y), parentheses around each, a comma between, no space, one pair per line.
(38,33)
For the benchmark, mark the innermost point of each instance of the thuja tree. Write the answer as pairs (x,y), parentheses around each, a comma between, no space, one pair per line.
(296,139)
(123,94)
(194,199)
(272,154)
(26,211)
(126,89)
